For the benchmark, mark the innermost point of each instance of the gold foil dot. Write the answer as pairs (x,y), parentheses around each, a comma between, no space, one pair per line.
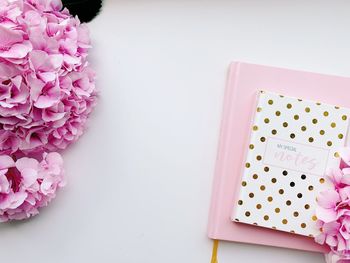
(307,206)
(266,217)
(255,128)
(314,218)
(251,146)
(258,157)
(270,102)
(281,191)
(303,225)
(255,176)
(277,210)
(296,117)
(273,180)
(247,165)
(307,109)
(340,136)
(258,109)
(336,155)
(329,143)
(310,188)
(344,117)
(240,202)
(278,113)
(318,103)
(266,169)
(303,128)
(247,213)
(284,221)
(336,107)
(262,188)
(314,121)
(299,195)
(295,214)
(285,124)
(270,199)
(274,132)
(325,113)
(244,183)
(311,139)
(251,195)
(288,202)
(262,139)
(258,206)
(333,124)
(266,120)
(322,132)
(292,135)
(289,106)
(321,180)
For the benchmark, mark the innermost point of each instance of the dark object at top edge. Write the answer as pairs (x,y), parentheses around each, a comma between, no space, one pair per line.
(86,10)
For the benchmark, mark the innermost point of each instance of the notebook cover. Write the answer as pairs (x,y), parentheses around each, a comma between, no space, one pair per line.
(244,80)
(292,143)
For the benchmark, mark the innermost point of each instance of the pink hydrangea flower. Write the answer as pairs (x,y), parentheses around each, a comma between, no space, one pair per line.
(333,212)
(27,184)
(47,89)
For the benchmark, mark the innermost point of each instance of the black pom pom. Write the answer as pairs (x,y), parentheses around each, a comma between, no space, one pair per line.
(86,10)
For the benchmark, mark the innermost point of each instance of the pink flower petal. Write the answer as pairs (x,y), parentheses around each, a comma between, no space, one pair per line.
(25,163)
(345,154)
(328,198)
(9,37)
(45,102)
(331,228)
(30,177)
(6,162)
(17,51)
(326,215)
(17,199)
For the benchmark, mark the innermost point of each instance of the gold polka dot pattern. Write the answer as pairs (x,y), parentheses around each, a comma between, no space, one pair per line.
(280,198)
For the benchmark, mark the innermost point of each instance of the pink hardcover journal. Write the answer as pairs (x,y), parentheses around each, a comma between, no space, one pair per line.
(244,82)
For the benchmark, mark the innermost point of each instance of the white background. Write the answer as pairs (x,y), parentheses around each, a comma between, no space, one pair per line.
(140,178)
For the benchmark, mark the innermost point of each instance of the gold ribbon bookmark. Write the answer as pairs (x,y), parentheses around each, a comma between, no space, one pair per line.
(214,254)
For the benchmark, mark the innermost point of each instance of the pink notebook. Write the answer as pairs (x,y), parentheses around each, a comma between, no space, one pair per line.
(244,82)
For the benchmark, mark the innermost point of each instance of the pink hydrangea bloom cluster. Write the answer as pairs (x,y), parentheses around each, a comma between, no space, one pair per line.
(47,89)
(333,212)
(26,184)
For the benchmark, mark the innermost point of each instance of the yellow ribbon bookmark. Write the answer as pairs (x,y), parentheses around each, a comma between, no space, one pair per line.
(214,255)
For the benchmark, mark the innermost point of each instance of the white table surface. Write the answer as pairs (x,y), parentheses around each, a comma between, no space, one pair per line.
(140,178)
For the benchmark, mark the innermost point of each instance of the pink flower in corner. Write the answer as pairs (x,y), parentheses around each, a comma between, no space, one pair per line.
(327,205)
(27,184)
(333,212)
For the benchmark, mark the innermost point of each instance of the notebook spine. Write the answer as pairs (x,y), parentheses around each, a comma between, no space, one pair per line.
(221,151)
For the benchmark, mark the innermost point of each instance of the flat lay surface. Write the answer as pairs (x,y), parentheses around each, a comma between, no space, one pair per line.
(139,180)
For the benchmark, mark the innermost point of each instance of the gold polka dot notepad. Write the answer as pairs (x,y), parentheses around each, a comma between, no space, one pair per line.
(292,143)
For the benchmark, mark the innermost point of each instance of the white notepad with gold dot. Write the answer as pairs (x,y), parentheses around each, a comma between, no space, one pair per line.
(292,143)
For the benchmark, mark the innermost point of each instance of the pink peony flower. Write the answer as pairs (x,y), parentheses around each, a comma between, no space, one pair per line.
(333,212)
(47,88)
(27,185)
